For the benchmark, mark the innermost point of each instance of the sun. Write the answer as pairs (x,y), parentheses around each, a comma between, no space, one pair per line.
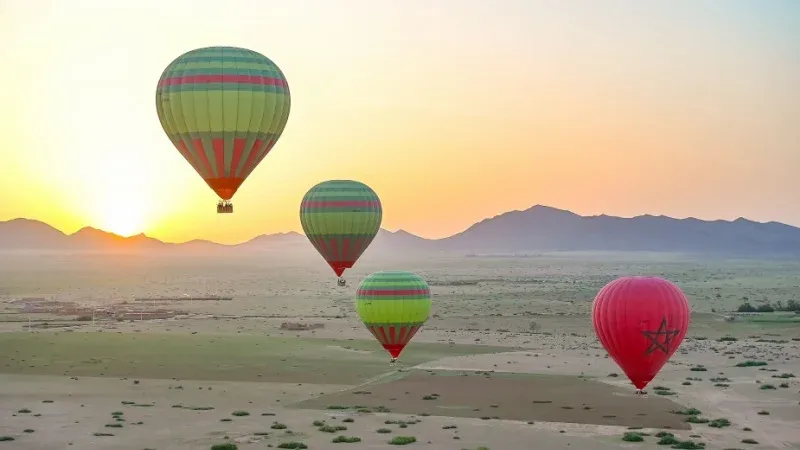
(122,210)
(123,219)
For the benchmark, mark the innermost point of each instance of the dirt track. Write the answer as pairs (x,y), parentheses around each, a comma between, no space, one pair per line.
(512,397)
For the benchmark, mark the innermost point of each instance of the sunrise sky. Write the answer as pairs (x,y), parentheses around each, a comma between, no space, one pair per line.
(452,111)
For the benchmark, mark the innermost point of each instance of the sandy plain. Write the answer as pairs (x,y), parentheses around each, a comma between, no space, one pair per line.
(507,361)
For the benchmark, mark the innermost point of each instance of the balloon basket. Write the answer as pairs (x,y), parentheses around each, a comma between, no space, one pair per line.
(341,282)
(224,207)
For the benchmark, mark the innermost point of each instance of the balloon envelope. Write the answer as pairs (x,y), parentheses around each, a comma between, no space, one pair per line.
(393,306)
(223,108)
(640,321)
(341,218)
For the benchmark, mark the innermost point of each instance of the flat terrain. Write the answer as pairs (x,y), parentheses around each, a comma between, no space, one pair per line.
(509,396)
(200,357)
(509,352)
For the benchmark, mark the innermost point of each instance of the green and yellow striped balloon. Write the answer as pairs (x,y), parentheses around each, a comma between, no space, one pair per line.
(393,306)
(223,108)
(341,218)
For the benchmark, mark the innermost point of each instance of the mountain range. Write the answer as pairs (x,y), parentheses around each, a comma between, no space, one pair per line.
(539,228)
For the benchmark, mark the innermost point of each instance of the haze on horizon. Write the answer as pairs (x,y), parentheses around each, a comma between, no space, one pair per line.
(452,111)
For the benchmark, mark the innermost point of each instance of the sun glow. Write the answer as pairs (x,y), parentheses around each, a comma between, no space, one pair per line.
(124,203)
(122,213)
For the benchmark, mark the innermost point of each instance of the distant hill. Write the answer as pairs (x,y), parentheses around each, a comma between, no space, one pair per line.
(33,235)
(543,228)
(539,228)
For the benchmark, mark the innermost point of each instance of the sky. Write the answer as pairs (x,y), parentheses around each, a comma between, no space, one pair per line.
(451,110)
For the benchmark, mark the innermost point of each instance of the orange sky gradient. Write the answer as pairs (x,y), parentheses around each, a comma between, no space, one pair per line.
(452,111)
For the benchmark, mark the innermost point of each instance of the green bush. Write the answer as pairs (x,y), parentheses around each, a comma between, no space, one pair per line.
(696,419)
(719,423)
(668,440)
(346,439)
(751,364)
(689,445)
(402,440)
(632,437)
(225,446)
(688,412)
(293,445)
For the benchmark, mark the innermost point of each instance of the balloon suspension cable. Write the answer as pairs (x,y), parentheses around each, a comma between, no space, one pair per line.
(224,207)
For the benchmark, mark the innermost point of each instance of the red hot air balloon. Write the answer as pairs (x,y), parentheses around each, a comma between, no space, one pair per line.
(640,321)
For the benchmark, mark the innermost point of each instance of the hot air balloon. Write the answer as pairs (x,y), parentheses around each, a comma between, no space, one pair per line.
(640,321)
(341,218)
(393,306)
(223,108)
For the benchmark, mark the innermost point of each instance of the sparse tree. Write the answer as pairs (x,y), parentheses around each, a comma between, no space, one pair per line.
(767,308)
(746,308)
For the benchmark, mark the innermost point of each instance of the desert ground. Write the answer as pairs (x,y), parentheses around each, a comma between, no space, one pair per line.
(507,361)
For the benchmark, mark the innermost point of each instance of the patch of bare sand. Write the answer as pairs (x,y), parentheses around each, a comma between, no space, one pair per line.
(511,397)
(67,413)
(351,350)
(559,353)
(706,379)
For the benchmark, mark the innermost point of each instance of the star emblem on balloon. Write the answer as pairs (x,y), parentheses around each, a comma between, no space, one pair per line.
(665,342)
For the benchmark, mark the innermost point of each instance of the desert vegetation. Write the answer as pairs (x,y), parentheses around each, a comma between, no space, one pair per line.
(511,349)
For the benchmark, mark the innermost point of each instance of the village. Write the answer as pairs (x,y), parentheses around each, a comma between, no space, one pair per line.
(123,310)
